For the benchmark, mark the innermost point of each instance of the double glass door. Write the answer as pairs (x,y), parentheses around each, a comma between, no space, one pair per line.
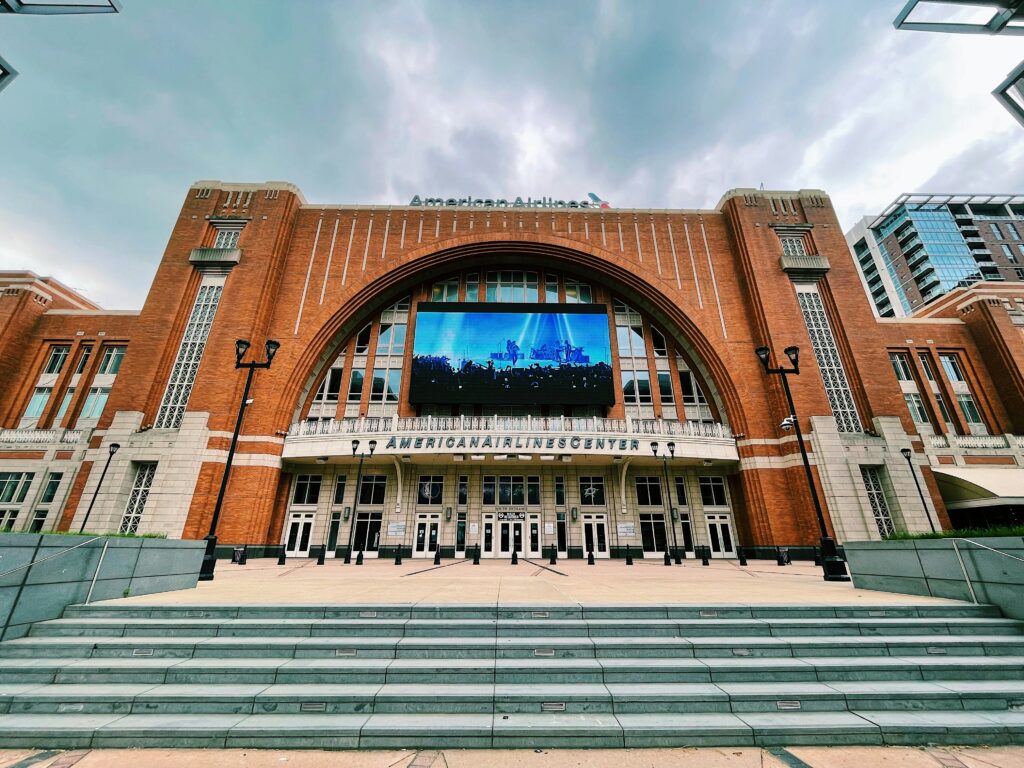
(595,535)
(427,532)
(720,536)
(366,537)
(503,537)
(300,529)
(653,533)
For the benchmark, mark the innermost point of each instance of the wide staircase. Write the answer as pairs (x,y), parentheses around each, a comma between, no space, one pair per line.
(344,677)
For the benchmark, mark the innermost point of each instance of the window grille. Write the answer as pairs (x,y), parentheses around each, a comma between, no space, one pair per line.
(876,497)
(837,386)
(793,246)
(227,238)
(190,354)
(141,486)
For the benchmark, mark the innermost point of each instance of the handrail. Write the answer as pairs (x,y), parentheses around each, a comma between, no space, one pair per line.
(963,568)
(56,554)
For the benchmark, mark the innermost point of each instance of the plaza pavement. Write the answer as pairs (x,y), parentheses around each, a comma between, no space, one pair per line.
(498,582)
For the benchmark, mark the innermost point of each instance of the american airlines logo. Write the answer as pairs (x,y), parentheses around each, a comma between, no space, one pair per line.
(591,201)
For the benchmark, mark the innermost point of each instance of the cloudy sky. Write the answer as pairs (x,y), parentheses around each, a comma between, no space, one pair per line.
(650,104)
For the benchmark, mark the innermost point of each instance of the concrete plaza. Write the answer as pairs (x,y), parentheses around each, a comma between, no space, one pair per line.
(498,582)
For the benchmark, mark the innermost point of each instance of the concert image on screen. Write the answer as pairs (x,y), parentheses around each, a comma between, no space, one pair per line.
(522,354)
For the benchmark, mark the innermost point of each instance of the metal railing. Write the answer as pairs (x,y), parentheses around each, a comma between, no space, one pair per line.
(547,424)
(55,555)
(963,567)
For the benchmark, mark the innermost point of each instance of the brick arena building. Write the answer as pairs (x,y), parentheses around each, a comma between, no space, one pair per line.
(450,333)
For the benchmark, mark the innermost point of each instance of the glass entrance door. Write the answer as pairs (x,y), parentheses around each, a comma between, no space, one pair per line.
(300,528)
(720,536)
(366,537)
(595,535)
(427,530)
(510,538)
(652,533)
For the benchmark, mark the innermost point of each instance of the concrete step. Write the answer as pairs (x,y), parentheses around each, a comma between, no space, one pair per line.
(509,647)
(512,730)
(511,671)
(619,698)
(442,628)
(558,612)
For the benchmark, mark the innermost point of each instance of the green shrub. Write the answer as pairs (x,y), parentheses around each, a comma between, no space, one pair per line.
(963,533)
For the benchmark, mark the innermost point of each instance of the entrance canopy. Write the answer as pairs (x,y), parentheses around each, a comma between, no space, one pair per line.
(966,487)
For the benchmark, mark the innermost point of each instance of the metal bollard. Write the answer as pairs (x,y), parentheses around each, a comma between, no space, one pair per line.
(476,555)
(668,558)
(629,556)
(359,558)
(590,557)
(741,556)
(705,554)
(515,557)
(553,560)
(437,556)
(321,555)
(398,555)
(817,555)
(281,557)
(779,560)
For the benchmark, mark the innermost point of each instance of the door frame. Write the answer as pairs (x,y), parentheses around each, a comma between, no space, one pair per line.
(302,518)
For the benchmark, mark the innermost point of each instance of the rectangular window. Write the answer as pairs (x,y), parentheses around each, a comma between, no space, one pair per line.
(793,246)
(372,489)
(512,286)
(307,489)
(592,491)
(472,286)
(227,238)
(65,402)
(995,230)
(1008,253)
(970,409)
(876,498)
(692,394)
(630,340)
(648,491)
(943,408)
(385,385)
(926,364)
(826,352)
(1020,273)
(487,493)
(559,491)
(951,365)
(665,387)
(901,366)
(577,292)
(391,340)
(463,497)
(533,490)
(14,486)
(84,359)
(636,387)
(363,341)
(190,354)
(659,343)
(712,492)
(50,489)
(38,402)
(355,385)
(917,410)
(58,355)
(1012,229)
(430,490)
(141,485)
(38,520)
(445,290)
(550,289)
(330,387)
(95,401)
(110,363)
(681,491)
(339,489)
(7,519)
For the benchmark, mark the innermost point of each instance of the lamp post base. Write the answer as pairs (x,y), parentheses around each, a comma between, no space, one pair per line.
(209,559)
(832,565)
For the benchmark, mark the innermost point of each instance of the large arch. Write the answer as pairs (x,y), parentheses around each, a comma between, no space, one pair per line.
(429,262)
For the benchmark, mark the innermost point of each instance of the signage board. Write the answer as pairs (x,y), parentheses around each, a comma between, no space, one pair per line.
(511,515)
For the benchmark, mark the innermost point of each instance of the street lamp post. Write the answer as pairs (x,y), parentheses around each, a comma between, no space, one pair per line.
(668,498)
(241,346)
(833,566)
(355,501)
(906,455)
(111,451)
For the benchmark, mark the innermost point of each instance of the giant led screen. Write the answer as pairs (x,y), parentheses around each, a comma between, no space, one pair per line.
(511,354)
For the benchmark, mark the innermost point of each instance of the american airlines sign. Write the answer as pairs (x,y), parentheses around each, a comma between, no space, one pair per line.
(591,201)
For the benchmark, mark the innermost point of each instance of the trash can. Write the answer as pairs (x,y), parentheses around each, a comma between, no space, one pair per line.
(238,556)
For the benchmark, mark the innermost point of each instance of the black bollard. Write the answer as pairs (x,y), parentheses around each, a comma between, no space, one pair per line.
(779,559)
(629,556)
(682,553)
(705,553)
(678,560)
(553,560)
(321,555)
(281,557)
(476,555)
(398,555)
(359,558)
(348,555)
(245,554)
(668,558)
(590,557)
(817,555)
(437,556)
(515,557)
(741,555)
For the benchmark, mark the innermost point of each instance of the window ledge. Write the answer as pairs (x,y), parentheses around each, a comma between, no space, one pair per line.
(215,257)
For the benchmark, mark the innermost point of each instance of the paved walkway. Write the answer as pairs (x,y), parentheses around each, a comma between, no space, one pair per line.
(528,583)
(795,757)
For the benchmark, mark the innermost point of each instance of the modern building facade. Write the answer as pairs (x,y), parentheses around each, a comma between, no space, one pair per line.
(528,377)
(922,246)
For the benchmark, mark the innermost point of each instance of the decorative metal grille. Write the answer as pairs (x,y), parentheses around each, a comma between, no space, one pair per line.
(137,500)
(227,238)
(837,386)
(876,497)
(793,246)
(190,353)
